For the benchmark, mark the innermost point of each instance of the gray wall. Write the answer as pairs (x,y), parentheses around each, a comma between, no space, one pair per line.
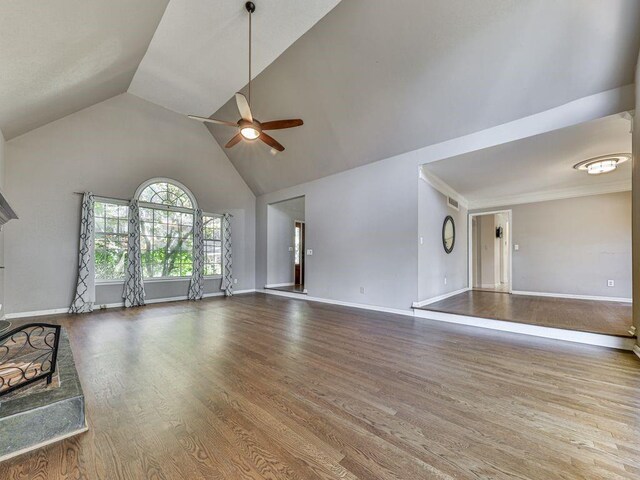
(109,149)
(636,206)
(281,231)
(434,264)
(361,225)
(573,246)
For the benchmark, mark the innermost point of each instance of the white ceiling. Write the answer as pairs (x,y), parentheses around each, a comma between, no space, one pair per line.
(375,79)
(198,57)
(539,165)
(60,56)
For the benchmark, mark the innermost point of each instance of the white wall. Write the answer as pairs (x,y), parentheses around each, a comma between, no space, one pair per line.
(434,264)
(573,246)
(281,219)
(109,149)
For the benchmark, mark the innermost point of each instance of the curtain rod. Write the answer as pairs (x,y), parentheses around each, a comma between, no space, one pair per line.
(102,196)
(128,200)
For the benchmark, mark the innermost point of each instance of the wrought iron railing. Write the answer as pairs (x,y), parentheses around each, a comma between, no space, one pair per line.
(28,354)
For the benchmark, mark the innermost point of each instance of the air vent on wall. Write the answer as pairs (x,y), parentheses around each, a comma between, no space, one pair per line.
(453,203)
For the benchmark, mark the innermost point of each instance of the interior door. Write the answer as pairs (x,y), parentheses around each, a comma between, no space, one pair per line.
(298,261)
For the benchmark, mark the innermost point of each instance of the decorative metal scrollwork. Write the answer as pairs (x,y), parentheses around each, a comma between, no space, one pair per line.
(28,354)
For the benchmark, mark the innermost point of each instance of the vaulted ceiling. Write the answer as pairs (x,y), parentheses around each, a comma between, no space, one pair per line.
(60,56)
(198,57)
(376,79)
(370,79)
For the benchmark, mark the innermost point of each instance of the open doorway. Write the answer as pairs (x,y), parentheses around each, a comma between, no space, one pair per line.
(298,257)
(286,232)
(490,251)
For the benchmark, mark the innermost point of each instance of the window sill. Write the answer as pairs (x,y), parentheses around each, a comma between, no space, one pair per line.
(100,283)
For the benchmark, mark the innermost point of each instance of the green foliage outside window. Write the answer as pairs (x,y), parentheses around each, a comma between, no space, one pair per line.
(166,239)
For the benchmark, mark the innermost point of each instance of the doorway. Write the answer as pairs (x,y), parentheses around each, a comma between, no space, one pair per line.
(490,263)
(286,236)
(298,258)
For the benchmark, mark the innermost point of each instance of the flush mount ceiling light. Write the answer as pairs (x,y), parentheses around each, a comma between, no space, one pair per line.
(603,164)
(248,127)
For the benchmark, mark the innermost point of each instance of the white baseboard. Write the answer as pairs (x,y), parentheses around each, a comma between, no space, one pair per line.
(577,297)
(636,350)
(396,311)
(601,340)
(278,285)
(36,313)
(57,311)
(431,300)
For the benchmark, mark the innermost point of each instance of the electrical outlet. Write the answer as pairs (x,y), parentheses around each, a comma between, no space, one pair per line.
(309,252)
(516,247)
(235,280)
(291,249)
(362,290)
(611,283)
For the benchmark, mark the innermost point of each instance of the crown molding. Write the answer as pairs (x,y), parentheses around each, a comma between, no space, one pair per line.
(535,197)
(442,186)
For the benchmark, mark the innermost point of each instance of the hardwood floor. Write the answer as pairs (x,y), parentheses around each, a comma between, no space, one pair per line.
(610,318)
(265,387)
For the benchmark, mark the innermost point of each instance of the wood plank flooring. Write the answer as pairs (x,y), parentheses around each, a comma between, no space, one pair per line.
(265,387)
(610,318)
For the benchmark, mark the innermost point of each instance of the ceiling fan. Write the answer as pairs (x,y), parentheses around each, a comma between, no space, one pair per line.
(249,128)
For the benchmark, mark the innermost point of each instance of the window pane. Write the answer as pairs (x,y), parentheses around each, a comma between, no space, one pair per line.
(110,249)
(167,244)
(165,193)
(212,246)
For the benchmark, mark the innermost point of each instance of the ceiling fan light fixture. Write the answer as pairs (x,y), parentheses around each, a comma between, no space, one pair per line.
(248,127)
(603,164)
(249,133)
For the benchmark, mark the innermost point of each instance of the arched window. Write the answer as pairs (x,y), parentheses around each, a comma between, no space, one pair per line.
(166,234)
(166,228)
(162,191)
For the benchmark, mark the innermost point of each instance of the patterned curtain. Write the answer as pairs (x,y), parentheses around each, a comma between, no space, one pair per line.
(196,286)
(86,284)
(227,270)
(133,292)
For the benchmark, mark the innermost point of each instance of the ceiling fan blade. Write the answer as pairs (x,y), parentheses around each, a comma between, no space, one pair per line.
(280,124)
(212,120)
(272,142)
(243,107)
(234,140)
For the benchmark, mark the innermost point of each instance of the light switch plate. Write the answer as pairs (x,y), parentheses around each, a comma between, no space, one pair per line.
(516,247)
(291,249)
(309,251)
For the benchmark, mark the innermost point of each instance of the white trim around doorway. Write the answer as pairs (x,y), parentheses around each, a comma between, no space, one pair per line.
(509,213)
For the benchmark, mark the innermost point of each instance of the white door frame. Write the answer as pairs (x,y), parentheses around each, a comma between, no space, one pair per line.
(509,213)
